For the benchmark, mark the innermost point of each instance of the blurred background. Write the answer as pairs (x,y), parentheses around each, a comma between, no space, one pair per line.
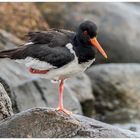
(109,90)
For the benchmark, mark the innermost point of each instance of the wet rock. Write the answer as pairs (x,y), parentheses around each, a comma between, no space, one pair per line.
(118,33)
(116,90)
(48,123)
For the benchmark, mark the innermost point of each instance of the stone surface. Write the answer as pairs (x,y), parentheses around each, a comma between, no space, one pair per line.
(21,18)
(116,90)
(43,122)
(81,86)
(8,41)
(11,95)
(5,104)
(82,89)
(130,126)
(118,26)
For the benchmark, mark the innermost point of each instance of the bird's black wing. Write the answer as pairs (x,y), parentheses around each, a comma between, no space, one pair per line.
(52,37)
(48,46)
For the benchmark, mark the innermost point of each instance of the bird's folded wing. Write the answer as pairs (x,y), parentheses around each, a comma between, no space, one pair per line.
(52,37)
(40,56)
(45,50)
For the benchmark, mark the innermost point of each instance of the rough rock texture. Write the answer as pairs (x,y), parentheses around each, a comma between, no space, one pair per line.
(11,95)
(118,33)
(19,18)
(5,104)
(43,122)
(82,89)
(117,91)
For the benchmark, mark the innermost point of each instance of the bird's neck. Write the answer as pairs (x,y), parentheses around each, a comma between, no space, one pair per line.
(84,51)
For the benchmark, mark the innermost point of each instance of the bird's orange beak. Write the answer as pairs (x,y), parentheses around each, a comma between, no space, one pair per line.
(96,44)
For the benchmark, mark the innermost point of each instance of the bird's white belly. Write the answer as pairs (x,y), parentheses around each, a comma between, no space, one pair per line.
(66,71)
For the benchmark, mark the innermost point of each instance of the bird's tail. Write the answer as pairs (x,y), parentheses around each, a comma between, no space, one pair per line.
(7,53)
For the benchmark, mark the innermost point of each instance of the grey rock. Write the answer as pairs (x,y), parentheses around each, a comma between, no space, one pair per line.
(118,26)
(81,86)
(5,104)
(10,94)
(8,40)
(130,126)
(43,122)
(82,90)
(117,91)
(28,96)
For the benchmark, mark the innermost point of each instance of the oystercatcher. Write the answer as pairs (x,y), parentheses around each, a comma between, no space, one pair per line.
(58,54)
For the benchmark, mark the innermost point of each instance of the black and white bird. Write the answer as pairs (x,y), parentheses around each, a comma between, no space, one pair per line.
(58,54)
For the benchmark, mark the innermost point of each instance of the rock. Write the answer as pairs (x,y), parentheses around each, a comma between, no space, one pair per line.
(81,86)
(26,91)
(130,126)
(8,40)
(21,18)
(10,94)
(116,90)
(82,89)
(5,104)
(134,3)
(118,33)
(50,15)
(43,122)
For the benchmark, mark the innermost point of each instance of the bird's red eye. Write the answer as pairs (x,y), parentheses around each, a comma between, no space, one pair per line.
(85,33)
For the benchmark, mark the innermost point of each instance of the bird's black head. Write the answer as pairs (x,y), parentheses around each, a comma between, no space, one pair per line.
(86,34)
(86,31)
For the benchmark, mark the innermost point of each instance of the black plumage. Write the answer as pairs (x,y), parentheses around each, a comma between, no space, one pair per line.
(84,52)
(53,37)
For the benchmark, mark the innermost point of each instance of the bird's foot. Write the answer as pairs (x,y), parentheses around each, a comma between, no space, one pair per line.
(64,110)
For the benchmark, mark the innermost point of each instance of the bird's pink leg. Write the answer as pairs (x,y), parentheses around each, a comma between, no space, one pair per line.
(61,89)
(61,107)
